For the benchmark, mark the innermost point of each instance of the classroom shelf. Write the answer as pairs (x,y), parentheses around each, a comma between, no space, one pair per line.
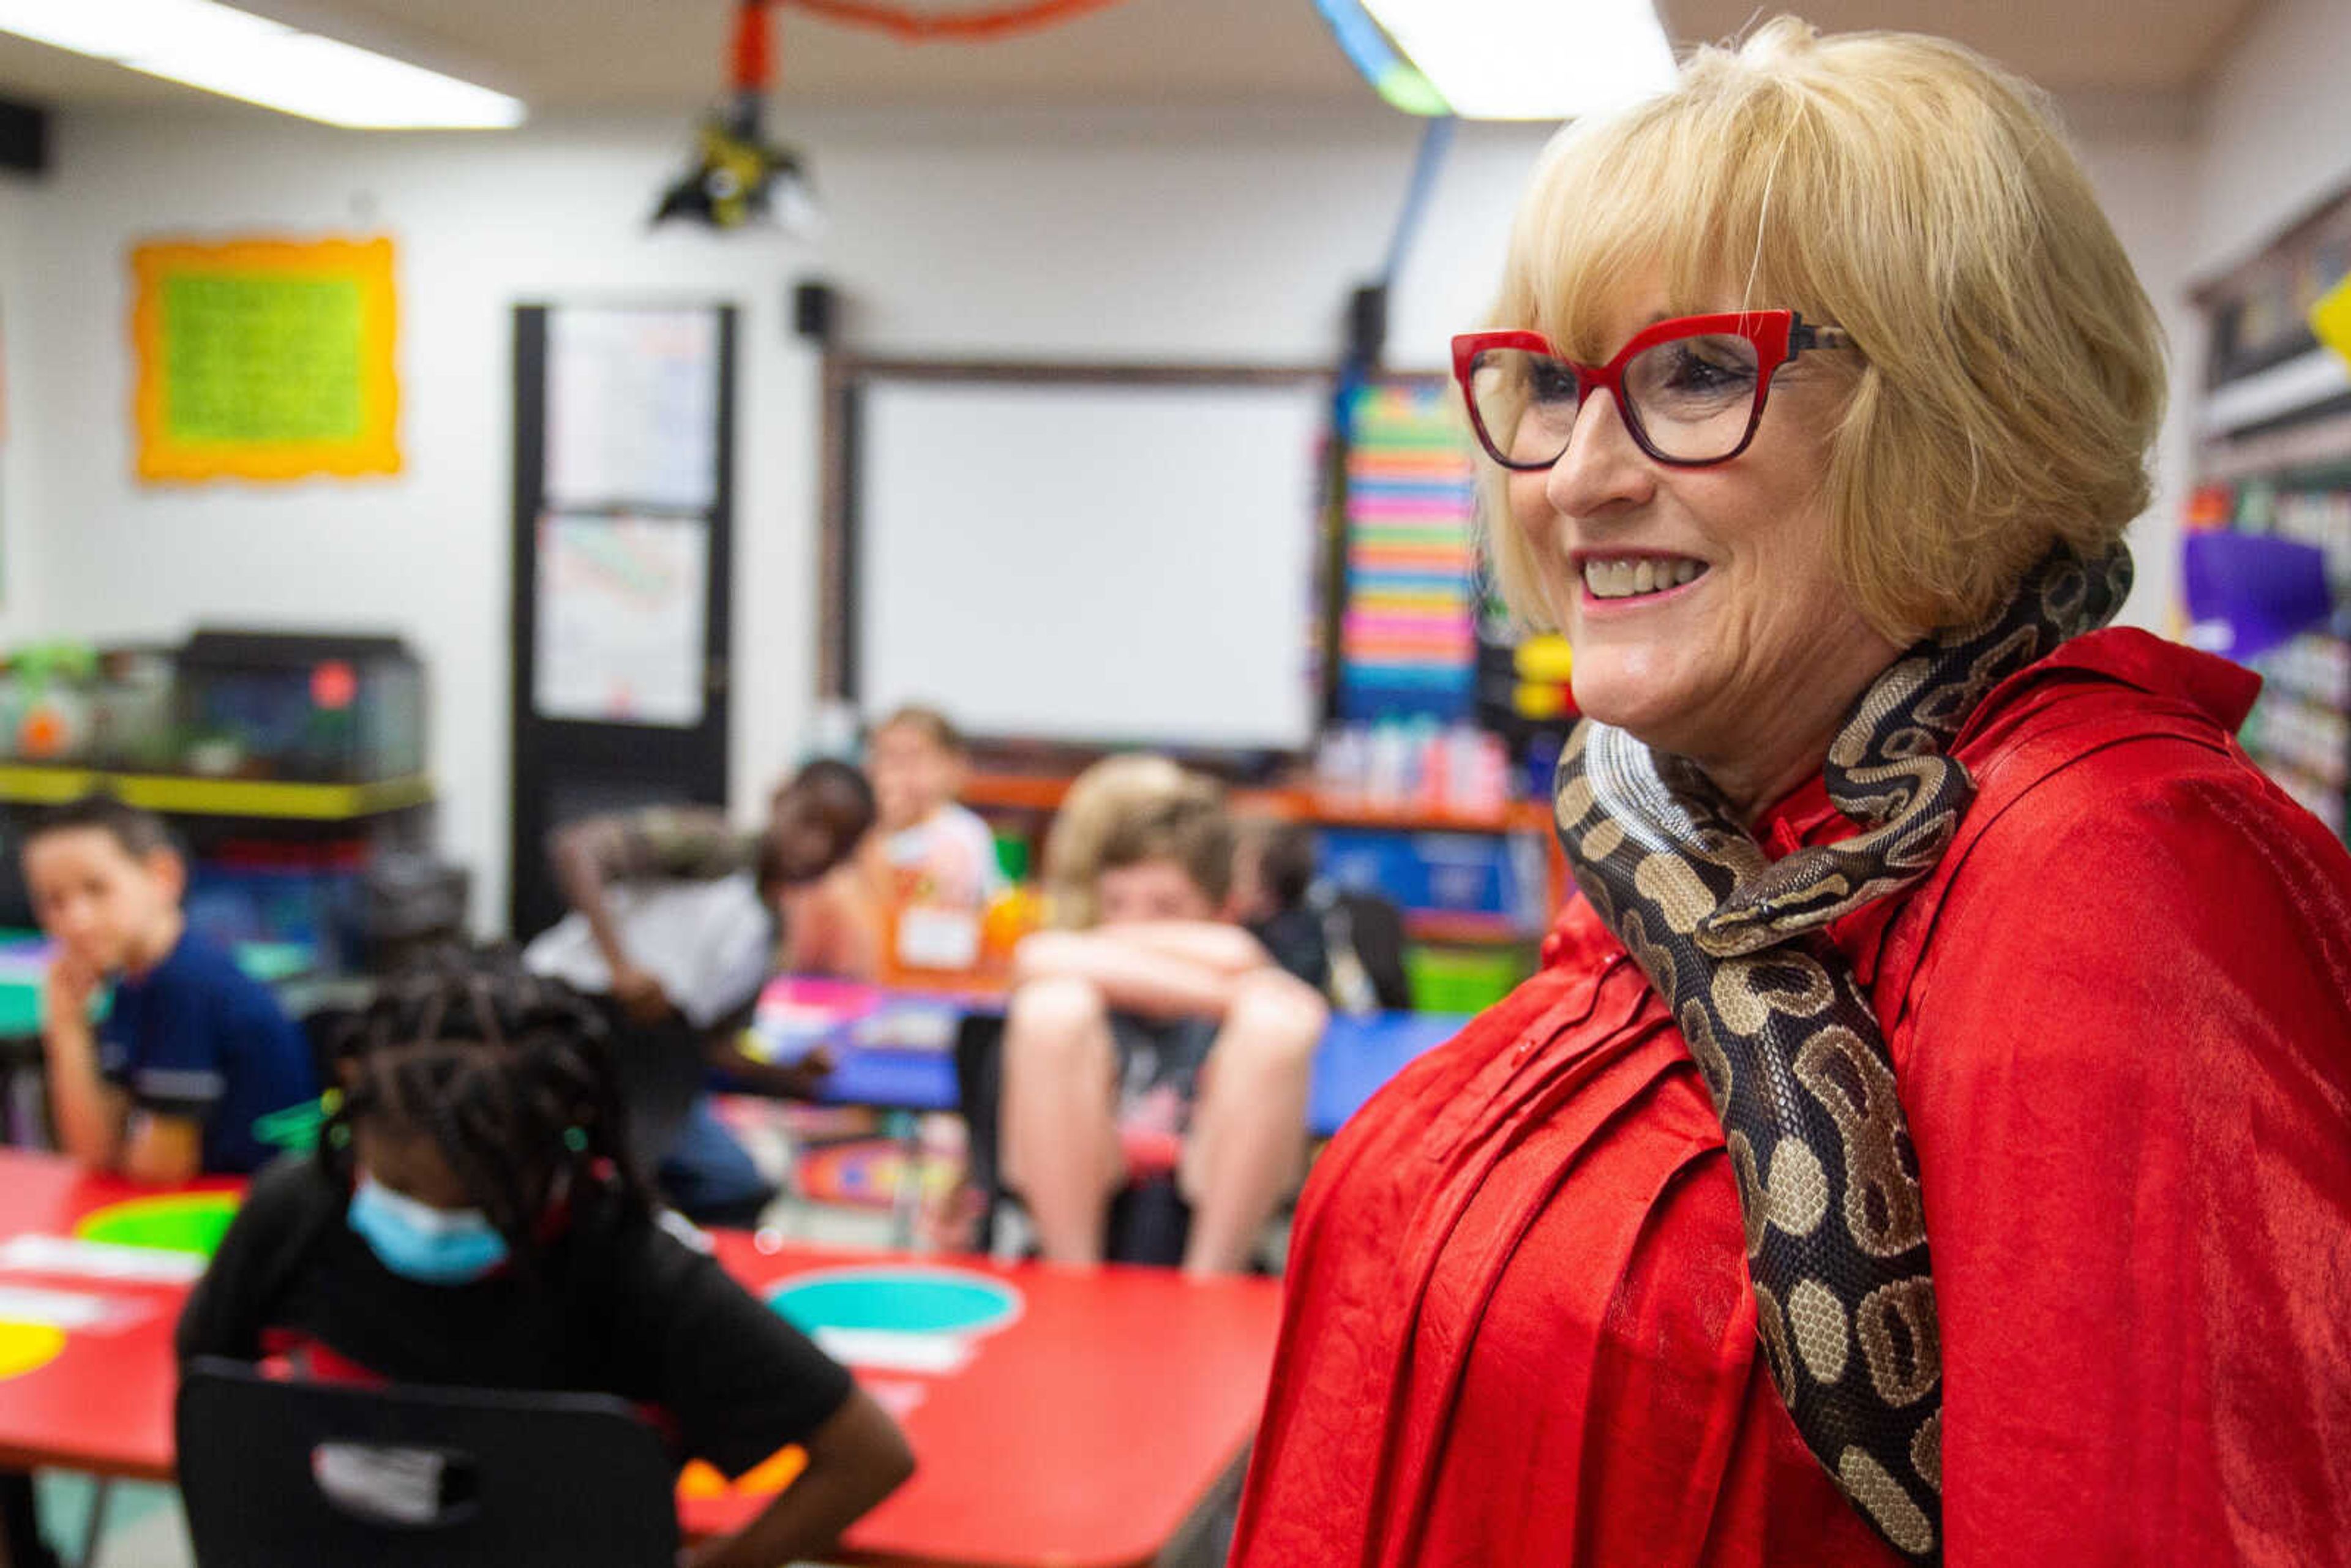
(1457,928)
(36,786)
(2317,450)
(1033,793)
(1042,794)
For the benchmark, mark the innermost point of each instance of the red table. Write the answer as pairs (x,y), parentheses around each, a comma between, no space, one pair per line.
(1083,1431)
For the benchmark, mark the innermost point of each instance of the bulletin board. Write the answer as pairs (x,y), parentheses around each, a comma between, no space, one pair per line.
(265,359)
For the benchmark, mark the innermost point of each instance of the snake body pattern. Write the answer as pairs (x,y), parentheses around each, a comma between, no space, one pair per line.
(1791,1053)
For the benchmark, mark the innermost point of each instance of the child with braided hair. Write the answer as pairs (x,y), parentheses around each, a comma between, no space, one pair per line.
(473,1217)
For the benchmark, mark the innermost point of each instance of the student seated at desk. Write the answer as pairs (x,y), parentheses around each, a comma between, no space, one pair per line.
(1160,1030)
(474,1217)
(192,1052)
(673,931)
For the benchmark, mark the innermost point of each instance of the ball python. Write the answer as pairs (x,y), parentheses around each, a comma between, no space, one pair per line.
(1791,1053)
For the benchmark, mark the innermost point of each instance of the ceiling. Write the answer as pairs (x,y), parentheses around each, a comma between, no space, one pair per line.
(590,54)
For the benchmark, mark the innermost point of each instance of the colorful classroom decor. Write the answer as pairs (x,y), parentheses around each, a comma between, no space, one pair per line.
(188,1222)
(2330,317)
(897,1299)
(1408,645)
(27,1347)
(265,359)
(868,1173)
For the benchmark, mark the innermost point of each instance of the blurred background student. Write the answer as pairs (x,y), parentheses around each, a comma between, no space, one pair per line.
(1159,1034)
(931,865)
(1347,945)
(192,1052)
(674,930)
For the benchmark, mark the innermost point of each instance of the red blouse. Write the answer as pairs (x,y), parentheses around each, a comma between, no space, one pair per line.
(1519,1327)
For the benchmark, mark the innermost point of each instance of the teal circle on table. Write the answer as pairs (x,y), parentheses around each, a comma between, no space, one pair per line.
(897,1301)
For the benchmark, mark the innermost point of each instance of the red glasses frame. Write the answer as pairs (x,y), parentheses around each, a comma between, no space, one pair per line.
(1778,336)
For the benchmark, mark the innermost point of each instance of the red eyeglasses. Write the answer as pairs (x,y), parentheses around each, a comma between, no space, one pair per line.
(1690,391)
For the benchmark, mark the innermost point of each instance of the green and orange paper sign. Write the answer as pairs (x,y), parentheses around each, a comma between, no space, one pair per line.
(264,359)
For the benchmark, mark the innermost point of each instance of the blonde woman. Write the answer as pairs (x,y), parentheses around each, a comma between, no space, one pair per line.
(1929,1136)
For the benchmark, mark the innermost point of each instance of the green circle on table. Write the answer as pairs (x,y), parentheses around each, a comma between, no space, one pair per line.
(897,1301)
(180,1222)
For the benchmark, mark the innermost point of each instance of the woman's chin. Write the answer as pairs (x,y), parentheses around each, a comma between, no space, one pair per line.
(1642,707)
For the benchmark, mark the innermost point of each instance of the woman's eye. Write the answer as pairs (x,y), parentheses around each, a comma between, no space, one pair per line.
(1547,380)
(1693,369)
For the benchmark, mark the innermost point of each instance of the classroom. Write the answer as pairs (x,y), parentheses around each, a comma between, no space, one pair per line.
(923,782)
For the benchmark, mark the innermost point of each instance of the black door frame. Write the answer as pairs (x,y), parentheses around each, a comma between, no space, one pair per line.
(646,762)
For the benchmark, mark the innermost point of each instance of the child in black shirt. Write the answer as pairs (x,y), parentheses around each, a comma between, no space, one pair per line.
(472,1218)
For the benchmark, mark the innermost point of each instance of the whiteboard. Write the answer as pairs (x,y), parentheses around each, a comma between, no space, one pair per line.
(1099,561)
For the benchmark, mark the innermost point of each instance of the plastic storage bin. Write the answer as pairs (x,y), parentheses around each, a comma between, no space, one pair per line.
(1465,873)
(1463,979)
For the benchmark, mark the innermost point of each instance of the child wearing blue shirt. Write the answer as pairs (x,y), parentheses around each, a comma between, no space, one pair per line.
(192,1052)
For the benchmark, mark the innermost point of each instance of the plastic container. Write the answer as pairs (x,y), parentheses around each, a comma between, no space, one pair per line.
(1465,873)
(1463,979)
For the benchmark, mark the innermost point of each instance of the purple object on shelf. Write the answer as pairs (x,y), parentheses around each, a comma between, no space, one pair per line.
(2259,589)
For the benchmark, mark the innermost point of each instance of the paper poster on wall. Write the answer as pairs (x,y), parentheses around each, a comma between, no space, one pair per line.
(631,407)
(620,619)
(265,359)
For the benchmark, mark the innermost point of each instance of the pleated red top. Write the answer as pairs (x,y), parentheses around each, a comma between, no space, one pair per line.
(1519,1327)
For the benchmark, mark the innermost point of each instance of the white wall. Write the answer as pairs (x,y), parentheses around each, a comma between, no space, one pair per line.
(2277,128)
(19,585)
(2141,158)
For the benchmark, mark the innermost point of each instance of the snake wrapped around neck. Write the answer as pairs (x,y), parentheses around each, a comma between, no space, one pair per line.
(1792,1052)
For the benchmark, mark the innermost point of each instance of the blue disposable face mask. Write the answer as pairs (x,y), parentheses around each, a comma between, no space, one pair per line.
(417,1242)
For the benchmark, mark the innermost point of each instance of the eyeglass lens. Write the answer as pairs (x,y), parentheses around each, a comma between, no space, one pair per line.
(1691,396)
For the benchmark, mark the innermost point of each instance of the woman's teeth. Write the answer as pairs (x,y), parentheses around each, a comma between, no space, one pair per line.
(1648,574)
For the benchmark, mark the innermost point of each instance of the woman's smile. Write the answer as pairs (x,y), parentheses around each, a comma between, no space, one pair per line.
(1622,580)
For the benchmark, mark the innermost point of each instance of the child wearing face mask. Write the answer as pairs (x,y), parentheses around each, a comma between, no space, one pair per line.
(474,1217)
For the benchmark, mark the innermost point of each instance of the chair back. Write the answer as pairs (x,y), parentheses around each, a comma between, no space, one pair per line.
(286,1474)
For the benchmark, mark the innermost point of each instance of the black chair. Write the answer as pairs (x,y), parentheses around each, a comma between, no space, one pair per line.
(280,1474)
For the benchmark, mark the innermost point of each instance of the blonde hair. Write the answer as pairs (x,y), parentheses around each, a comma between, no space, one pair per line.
(930,724)
(2010,377)
(1102,803)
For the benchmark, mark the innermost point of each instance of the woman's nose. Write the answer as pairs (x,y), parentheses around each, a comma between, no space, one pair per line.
(1604,467)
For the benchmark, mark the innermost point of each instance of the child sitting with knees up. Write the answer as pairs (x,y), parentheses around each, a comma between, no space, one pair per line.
(1157,1034)
(474,1217)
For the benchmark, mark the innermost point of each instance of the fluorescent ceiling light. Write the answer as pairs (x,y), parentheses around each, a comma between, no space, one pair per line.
(239,55)
(1522,59)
